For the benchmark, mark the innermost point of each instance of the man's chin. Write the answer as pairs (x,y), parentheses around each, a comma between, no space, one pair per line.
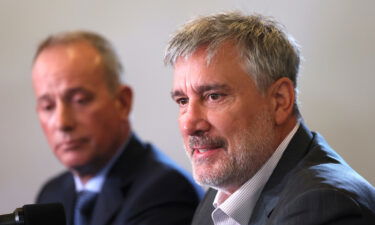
(83,170)
(73,159)
(206,177)
(75,164)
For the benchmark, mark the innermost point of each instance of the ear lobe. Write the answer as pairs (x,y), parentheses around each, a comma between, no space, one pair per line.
(124,100)
(283,98)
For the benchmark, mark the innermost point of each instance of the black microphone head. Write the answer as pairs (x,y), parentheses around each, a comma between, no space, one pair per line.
(44,214)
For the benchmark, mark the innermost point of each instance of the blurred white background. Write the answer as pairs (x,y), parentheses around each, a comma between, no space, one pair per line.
(336,94)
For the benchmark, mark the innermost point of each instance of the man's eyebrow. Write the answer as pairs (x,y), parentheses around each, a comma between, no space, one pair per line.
(68,93)
(72,91)
(212,87)
(202,89)
(43,98)
(176,93)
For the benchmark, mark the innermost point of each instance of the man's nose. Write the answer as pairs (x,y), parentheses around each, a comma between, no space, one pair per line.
(64,118)
(194,120)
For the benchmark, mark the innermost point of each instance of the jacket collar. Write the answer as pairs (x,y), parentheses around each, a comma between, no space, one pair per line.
(119,178)
(296,150)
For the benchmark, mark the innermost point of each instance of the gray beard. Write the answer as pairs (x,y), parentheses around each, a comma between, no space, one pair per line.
(254,148)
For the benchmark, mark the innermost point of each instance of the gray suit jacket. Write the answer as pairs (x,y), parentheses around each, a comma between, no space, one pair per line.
(311,185)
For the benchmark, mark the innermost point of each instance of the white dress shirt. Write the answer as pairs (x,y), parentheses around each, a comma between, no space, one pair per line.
(237,208)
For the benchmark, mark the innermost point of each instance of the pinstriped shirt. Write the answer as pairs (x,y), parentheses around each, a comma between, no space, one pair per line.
(237,208)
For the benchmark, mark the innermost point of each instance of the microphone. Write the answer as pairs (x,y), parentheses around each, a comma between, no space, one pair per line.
(36,214)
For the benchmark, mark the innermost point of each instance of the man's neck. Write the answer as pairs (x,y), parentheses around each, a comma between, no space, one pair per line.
(283,130)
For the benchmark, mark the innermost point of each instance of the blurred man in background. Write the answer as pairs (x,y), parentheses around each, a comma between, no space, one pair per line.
(235,81)
(83,108)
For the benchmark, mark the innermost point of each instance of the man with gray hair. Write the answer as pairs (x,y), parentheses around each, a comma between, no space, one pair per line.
(83,107)
(235,82)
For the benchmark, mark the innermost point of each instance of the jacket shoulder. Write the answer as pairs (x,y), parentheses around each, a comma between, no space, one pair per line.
(323,182)
(52,189)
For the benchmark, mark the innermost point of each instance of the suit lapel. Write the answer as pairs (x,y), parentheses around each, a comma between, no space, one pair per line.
(296,150)
(68,198)
(108,203)
(120,176)
(203,213)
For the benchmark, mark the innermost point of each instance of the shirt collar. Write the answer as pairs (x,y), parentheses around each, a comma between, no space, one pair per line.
(242,201)
(95,183)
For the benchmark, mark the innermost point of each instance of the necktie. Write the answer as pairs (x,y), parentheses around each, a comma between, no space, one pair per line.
(84,207)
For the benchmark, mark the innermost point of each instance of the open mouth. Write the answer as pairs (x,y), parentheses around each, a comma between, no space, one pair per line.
(206,149)
(205,145)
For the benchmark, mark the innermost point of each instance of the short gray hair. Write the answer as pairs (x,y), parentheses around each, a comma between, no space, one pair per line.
(269,53)
(111,61)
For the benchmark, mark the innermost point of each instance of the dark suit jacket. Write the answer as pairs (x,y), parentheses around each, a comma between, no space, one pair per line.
(311,185)
(143,187)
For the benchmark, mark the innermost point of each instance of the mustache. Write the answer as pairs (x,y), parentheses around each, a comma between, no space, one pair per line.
(197,141)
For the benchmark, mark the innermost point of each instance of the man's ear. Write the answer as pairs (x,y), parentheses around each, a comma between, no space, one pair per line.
(282,98)
(124,99)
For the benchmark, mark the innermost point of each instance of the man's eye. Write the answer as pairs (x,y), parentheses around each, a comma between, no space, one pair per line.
(214,96)
(46,107)
(81,100)
(182,101)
